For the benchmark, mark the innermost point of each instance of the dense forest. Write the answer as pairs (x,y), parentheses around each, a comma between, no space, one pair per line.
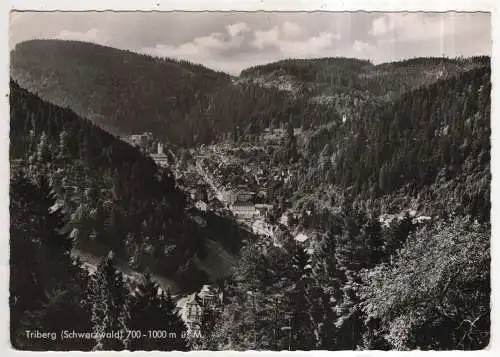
(188,104)
(387,80)
(365,283)
(122,91)
(433,143)
(112,197)
(50,290)
(365,286)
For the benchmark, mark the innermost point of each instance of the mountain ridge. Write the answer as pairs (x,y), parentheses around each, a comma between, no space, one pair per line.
(122,91)
(188,104)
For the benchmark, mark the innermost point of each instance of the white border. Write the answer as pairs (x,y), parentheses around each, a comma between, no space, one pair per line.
(239,5)
(254,5)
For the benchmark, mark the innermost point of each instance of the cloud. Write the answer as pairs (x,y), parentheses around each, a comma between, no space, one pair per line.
(277,38)
(291,29)
(419,26)
(213,41)
(92,35)
(363,47)
(237,28)
(382,25)
(323,40)
(312,46)
(235,40)
(266,38)
(203,46)
(240,44)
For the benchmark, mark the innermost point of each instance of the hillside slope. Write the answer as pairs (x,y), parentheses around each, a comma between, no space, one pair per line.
(429,150)
(121,91)
(125,92)
(112,197)
(324,76)
(348,84)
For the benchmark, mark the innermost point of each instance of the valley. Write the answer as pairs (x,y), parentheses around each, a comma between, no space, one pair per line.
(306,204)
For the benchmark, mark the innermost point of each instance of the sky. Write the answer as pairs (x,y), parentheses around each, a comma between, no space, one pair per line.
(232,41)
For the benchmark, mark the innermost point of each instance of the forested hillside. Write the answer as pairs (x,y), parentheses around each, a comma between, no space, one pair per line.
(121,91)
(328,76)
(397,204)
(55,305)
(363,286)
(125,92)
(187,104)
(433,143)
(349,85)
(111,196)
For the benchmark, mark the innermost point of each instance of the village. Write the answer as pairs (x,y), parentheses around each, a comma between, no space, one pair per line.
(218,179)
(231,179)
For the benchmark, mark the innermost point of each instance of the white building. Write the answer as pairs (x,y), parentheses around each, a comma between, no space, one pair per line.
(201,205)
(233,196)
(263,208)
(301,237)
(159,157)
(284,219)
(245,211)
(263,228)
(193,306)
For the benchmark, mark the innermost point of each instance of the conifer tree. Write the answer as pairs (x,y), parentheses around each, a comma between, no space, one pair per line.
(108,298)
(46,286)
(153,312)
(43,153)
(303,329)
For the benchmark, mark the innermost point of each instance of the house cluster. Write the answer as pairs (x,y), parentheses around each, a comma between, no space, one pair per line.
(241,201)
(387,219)
(150,146)
(199,191)
(194,306)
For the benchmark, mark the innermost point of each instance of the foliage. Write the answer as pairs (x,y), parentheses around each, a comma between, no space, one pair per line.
(46,286)
(122,91)
(112,196)
(153,310)
(436,295)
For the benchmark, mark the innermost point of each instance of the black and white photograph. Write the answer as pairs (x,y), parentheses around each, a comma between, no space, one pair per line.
(249,181)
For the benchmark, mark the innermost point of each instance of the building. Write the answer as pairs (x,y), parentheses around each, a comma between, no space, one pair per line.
(140,140)
(201,205)
(285,219)
(244,196)
(263,209)
(244,210)
(237,196)
(194,306)
(301,237)
(210,296)
(297,131)
(263,228)
(143,141)
(159,157)
(191,312)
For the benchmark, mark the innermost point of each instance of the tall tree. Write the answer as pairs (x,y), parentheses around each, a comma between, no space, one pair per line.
(154,314)
(46,286)
(108,297)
